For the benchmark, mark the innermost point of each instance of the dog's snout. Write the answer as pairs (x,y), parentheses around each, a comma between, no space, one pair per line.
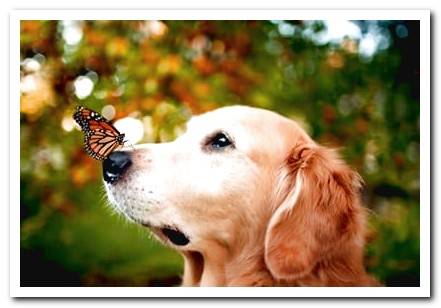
(115,165)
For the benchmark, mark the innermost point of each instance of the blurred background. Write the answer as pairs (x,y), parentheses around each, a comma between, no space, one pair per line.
(353,85)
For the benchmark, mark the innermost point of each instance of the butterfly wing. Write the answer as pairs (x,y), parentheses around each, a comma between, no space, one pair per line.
(100,143)
(100,137)
(90,120)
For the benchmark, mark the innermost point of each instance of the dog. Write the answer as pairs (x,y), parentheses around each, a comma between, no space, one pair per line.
(248,199)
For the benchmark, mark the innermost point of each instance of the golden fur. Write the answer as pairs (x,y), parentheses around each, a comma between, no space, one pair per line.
(277,209)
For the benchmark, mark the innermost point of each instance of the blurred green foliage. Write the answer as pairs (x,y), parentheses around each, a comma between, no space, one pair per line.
(162,72)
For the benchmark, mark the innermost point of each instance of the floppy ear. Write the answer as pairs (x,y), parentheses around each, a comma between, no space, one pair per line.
(320,212)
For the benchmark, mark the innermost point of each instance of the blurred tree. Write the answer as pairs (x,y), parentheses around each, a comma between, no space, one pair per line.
(358,92)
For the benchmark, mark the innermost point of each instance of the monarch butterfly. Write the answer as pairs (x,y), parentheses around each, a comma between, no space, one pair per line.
(100,137)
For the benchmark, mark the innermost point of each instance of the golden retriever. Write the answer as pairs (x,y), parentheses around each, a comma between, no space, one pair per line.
(248,199)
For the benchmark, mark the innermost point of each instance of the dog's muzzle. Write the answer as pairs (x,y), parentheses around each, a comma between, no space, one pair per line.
(115,165)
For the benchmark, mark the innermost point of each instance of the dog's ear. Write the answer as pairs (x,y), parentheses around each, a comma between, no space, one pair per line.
(318,213)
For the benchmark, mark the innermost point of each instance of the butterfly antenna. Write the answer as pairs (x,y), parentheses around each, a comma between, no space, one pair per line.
(130,144)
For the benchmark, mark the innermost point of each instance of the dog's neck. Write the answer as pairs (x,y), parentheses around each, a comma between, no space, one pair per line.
(222,266)
(205,269)
(249,269)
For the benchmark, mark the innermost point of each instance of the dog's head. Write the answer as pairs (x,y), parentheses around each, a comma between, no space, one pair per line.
(207,185)
(241,175)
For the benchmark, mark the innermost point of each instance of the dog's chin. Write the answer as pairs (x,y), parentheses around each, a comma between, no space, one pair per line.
(167,233)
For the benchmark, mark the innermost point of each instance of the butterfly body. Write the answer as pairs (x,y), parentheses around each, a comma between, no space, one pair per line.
(100,137)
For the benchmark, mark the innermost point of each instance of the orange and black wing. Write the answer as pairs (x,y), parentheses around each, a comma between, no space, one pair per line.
(100,137)
(100,143)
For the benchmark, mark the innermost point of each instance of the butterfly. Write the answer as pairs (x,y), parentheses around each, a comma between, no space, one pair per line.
(100,137)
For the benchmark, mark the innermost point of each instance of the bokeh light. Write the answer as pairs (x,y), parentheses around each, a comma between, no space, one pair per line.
(72,31)
(108,112)
(132,128)
(28,84)
(68,123)
(83,86)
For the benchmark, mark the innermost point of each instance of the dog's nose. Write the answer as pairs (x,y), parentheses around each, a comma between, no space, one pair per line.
(115,165)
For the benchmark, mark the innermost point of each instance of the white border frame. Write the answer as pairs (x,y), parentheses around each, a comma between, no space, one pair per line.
(14,219)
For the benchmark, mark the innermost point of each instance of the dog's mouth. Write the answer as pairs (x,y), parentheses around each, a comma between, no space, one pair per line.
(174,235)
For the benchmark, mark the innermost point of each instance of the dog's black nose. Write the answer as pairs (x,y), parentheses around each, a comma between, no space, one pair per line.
(115,165)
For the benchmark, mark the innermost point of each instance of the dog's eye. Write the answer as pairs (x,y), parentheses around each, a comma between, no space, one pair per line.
(220,140)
